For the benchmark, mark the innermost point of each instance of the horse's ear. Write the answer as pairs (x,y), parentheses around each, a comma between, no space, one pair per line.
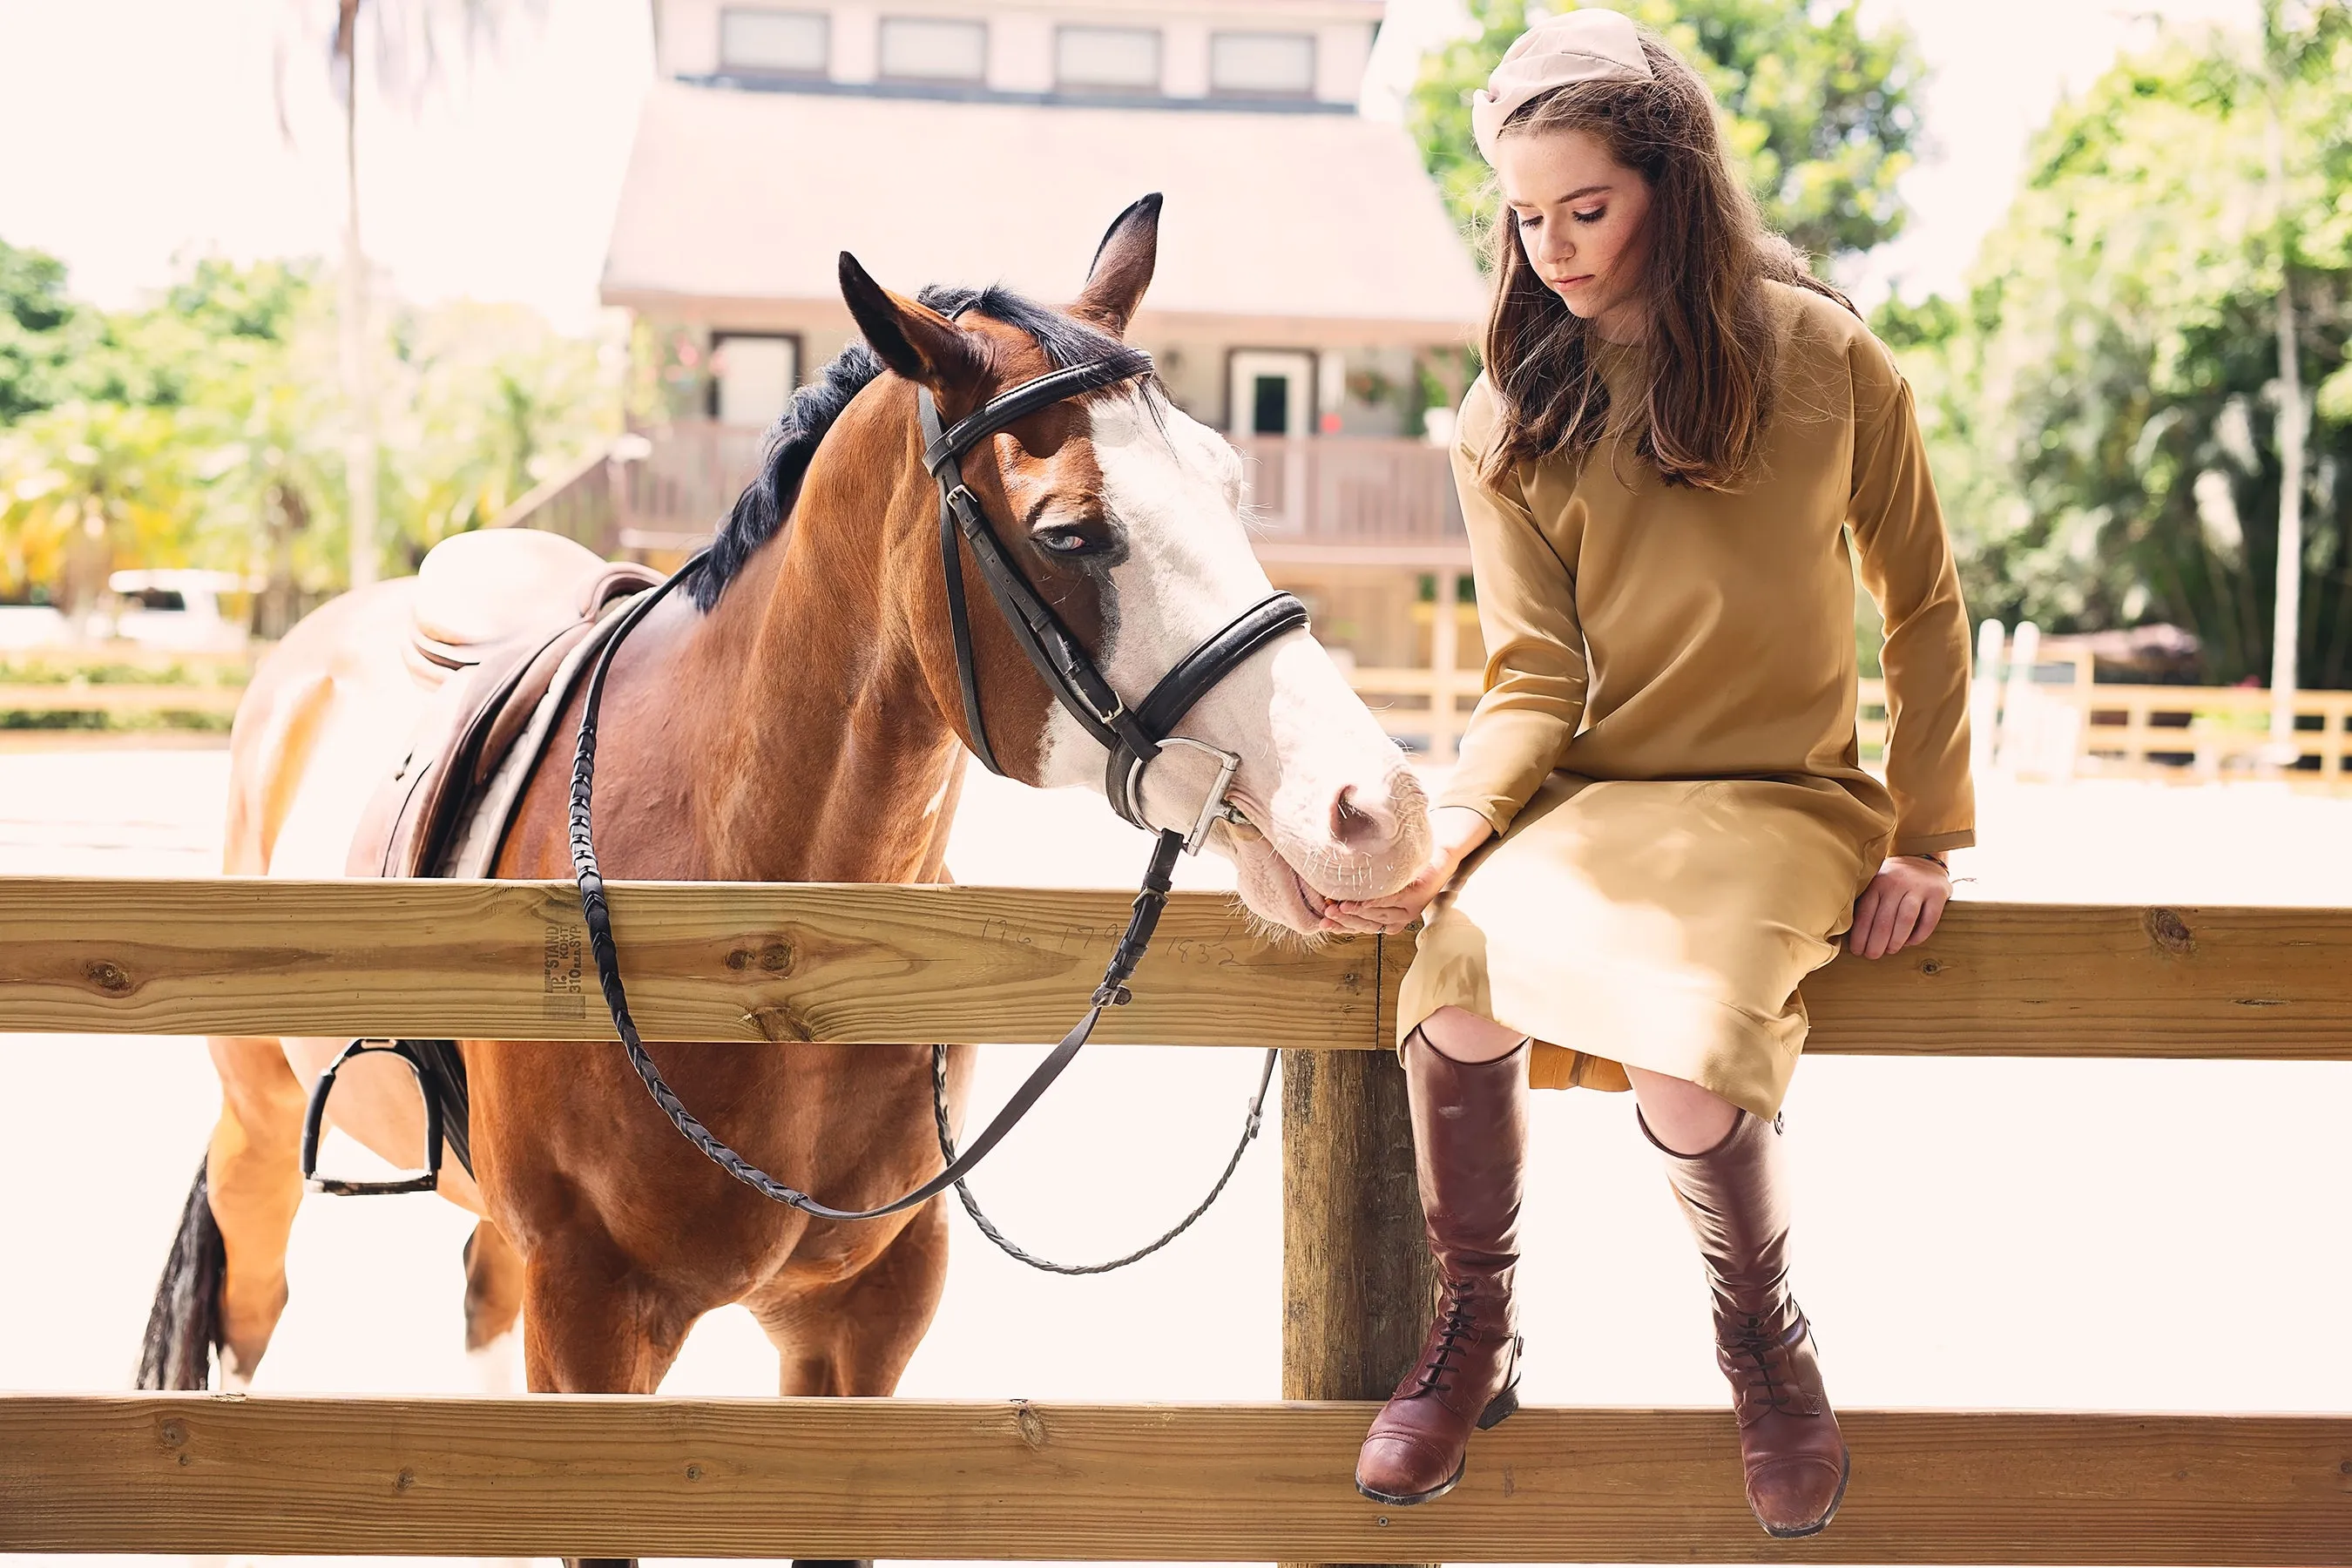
(912,339)
(1122,269)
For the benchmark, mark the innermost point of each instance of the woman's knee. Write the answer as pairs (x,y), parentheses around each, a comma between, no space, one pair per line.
(1681,1118)
(1466,1037)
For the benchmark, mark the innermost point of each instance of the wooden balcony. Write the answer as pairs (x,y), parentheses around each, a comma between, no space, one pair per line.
(1340,500)
(1337,501)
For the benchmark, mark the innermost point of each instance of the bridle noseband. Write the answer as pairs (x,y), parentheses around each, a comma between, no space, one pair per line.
(1135,735)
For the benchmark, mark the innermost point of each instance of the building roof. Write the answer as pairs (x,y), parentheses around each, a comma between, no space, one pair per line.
(737,204)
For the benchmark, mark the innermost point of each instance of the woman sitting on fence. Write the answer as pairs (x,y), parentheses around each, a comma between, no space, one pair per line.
(1677,426)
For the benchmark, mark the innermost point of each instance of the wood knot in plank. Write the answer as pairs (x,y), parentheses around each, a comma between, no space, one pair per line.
(769,958)
(108,976)
(1032,1427)
(2169,932)
(172,1434)
(779,1023)
(403,1481)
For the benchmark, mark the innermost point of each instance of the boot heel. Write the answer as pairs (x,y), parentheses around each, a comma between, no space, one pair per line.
(1501,1408)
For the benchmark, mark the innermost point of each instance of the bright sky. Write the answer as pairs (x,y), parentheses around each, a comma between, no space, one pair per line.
(139,130)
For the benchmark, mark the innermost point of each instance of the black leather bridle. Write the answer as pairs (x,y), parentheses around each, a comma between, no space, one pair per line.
(1134,735)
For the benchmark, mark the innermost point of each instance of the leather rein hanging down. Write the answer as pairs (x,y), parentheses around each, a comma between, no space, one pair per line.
(1134,737)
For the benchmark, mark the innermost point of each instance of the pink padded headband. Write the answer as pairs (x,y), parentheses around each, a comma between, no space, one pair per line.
(1591,44)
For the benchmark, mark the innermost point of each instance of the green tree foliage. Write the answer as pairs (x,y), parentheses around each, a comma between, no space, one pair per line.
(40,329)
(205,430)
(85,483)
(2104,405)
(1818,111)
(490,403)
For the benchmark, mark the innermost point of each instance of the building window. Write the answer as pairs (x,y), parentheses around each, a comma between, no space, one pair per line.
(1106,58)
(751,376)
(933,49)
(775,42)
(1261,65)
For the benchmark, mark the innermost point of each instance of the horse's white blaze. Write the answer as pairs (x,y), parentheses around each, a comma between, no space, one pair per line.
(1172,486)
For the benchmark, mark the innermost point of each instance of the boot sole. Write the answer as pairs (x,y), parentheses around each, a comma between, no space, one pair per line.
(1499,1409)
(1846,1474)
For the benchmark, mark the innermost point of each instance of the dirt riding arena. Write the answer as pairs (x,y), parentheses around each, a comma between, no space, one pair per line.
(1979,1234)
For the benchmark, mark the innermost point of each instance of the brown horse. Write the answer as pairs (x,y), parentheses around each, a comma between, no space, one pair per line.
(798,717)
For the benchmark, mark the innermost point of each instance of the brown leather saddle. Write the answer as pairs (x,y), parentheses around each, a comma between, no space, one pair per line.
(505,622)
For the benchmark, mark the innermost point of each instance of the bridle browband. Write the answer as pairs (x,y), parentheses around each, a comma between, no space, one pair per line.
(1134,735)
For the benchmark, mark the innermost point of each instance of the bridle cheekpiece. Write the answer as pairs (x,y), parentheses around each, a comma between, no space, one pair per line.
(1133,736)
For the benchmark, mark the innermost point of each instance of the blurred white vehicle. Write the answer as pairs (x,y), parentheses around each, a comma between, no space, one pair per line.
(31,626)
(178,608)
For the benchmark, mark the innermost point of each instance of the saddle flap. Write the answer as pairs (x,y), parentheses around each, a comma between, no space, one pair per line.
(486,692)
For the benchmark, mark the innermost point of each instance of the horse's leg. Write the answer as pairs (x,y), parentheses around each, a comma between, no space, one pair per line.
(592,1324)
(494,1276)
(254,1182)
(855,1337)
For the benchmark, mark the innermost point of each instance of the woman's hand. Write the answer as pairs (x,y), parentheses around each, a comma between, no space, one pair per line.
(1453,831)
(1900,908)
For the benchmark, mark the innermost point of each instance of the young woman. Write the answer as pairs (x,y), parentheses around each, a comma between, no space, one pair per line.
(1660,822)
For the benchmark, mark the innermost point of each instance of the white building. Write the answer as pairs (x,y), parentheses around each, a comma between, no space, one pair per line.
(1312,296)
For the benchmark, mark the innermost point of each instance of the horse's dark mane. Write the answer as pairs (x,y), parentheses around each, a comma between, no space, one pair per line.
(768,500)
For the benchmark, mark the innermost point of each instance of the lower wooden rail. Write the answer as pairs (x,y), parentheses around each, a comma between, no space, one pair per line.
(852,1478)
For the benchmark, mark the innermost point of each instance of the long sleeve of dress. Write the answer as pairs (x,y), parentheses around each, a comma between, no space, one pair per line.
(1535,680)
(1907,566)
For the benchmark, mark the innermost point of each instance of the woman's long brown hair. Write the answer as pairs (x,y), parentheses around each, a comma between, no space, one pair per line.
(1709,352)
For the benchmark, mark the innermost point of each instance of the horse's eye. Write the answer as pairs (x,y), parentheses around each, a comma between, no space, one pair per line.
(1069,542)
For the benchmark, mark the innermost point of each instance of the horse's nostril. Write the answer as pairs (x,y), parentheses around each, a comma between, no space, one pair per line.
(1351,825)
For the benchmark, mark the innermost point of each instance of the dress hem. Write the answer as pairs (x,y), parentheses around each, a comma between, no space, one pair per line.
(1583,1070)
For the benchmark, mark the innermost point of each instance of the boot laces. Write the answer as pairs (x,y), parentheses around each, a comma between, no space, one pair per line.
(1763,1353)
(1455,1328)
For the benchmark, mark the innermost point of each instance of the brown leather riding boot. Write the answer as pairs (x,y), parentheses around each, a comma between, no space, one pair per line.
(1737,1195)
(1469,1141)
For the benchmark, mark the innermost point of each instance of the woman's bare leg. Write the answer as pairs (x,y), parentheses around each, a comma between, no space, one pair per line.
(1687,1119)
(1468,1038)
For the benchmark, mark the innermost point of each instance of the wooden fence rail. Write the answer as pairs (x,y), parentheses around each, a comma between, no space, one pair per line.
(867,1479)
(120,697)
(907,1479)
(863,965)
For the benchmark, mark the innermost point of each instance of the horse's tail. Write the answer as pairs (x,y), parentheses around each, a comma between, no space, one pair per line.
(184,1328)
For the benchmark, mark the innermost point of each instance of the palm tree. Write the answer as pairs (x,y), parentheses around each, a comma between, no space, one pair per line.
(82,481)
(407,43)
(2293,50)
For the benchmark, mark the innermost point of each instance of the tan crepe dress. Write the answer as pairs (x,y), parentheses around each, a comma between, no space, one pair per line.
(1666,742)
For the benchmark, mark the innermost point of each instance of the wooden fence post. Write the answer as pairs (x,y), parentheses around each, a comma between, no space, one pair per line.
(1358,1284)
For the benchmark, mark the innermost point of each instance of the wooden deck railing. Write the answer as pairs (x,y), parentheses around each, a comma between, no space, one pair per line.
(578,503)
(1332,497)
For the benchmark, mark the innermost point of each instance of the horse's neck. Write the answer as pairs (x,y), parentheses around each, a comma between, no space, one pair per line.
(820,755)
